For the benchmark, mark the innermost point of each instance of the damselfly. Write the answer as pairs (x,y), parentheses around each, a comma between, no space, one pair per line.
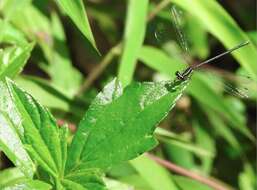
(162,34)
(187,72)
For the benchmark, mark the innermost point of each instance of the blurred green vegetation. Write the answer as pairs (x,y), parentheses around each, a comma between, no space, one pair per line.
(64,52)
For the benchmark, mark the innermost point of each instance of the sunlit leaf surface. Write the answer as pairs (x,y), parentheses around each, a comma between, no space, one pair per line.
(119,124)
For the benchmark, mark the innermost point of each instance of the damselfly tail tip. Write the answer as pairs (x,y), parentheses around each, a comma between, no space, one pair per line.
(245,43)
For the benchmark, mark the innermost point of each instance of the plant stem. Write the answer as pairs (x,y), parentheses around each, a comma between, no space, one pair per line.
(115,50)
(213,183)
(157,9)
(99,68)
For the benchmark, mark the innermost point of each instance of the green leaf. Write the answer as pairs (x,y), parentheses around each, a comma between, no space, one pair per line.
(204,140)
(69,79)
(10,174)
(219,23)
(116,185)
(194,148)
(10,7)
(212,99)
(137,181)
(198,38)
(158,60)
(119,127)
(26,184)
(247,178)
(49,95)
(45,93)
(154,174)
(133,39)
(13,60)
(199,83)
(180,156)
(222,129)
(186,183)
(253,36)
(10,34)
(10,142)
(34,125)
(76,11)
(88,178)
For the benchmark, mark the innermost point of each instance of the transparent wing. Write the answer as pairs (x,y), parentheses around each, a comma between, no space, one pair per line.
(176,17)
(236,85)
(167,33)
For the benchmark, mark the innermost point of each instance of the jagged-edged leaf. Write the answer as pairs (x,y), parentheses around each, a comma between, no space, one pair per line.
(10,128)
(32,126)
(88,179)
(119,124)
(76,11)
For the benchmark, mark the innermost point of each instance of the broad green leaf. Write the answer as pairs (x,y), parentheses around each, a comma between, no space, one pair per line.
(76,11)
(133,38)
(13,60)
(154,174)
(187,183)
(219,23)
(26,184)
(119,125)
(34,126)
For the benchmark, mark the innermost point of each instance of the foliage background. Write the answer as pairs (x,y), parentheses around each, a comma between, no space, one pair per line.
(209,131)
